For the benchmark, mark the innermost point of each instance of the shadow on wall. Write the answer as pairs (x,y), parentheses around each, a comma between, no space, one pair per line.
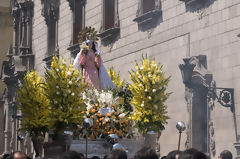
(197,5)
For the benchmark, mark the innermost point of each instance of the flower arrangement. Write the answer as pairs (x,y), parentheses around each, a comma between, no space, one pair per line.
(64,87)
(148,87)
(122,90)
(106,113)
(34,105)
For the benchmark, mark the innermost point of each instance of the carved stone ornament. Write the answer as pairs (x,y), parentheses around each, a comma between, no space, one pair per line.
(50,9)
(72,2)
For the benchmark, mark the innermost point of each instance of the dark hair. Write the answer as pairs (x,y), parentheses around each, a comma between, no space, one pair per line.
(199,155)
(192,154)
(146,153)
(71,155)
(172,154)
(5,156)
(93,46)
(105,157)
(226,154)
(117,154)
(95,157)
(163,157)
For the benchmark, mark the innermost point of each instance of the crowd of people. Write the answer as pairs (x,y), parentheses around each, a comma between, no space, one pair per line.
(144,153)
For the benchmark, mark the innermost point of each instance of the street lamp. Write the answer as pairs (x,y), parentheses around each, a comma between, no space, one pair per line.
(87,123)
(180,127)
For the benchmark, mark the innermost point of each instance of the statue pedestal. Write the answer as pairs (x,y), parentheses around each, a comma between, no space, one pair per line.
(100,147)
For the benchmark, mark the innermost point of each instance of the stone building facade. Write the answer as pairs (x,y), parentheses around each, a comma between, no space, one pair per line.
(202,32)
(5,40)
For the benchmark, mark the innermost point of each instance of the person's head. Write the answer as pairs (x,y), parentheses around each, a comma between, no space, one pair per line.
(192,154)
(117,154)
(95,157)
(173,154)
(71,155)
(199,155)
(225,155)
(19,155)
(6,156)
(146,153)
(91,44)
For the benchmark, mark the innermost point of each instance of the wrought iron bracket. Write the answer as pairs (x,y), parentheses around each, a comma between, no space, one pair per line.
(225,96)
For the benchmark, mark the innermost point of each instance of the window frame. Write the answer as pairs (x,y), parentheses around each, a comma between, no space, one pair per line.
(110,33)
(73,45)
(150,16)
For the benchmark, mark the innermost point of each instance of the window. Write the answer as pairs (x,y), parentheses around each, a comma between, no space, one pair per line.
(78,24)
(50,11)
(148,5)
(52,48)
(110,23)
(149,14)
(78,19)
(109,13)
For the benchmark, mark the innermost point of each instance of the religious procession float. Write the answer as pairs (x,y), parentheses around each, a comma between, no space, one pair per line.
(88,108)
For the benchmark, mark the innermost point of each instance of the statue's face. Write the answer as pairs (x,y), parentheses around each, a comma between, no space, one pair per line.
(90,44)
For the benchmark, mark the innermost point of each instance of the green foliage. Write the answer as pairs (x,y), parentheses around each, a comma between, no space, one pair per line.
(34,105)
(148,87)
(64,87)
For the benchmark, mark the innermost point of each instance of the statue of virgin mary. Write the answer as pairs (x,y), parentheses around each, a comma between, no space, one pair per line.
(91,64)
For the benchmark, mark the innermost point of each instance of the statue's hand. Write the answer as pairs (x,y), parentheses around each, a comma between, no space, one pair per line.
(97,56)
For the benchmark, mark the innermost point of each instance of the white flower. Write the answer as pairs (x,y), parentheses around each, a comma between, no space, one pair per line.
(140,85)
(122,115)
(72,94)
(79,107)
(57,69)
(146,90)
(78,85)
(149,76)
(57,93)
(57,86)
(149,97)
(61,107)
(69,73)
(141,68)
(106,119)
(154,90)
(69,91)
(143,101)
(155,65)
(70,109)
(89,106)
(70,82)
(55,102)
(142,105)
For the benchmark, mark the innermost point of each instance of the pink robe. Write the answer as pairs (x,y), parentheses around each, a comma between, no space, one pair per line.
(91,64)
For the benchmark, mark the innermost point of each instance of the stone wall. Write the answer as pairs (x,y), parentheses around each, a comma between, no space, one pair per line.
(180,32)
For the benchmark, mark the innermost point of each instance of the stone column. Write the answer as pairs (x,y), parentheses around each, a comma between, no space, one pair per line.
(7,132)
